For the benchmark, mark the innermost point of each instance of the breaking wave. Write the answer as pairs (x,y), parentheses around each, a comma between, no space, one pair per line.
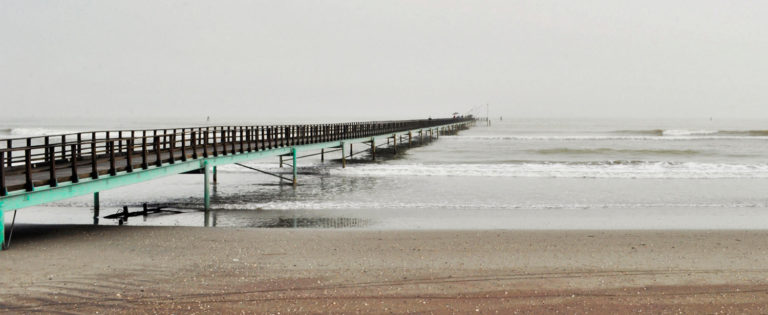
(699,132)
(602,138)
(613,151)
(535,169)
(373,205)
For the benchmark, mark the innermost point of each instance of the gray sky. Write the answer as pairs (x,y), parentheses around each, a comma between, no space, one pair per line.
(248,60)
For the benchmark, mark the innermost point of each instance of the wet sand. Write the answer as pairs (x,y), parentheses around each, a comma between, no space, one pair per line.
(132,269)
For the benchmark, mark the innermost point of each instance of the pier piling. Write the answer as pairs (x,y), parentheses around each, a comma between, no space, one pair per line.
(343,157)
(373,149)
(2,229)
(394,144)
(96,208)
(206,190)
(293,153)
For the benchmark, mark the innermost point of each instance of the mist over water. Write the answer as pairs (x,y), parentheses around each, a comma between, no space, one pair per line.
(515,174)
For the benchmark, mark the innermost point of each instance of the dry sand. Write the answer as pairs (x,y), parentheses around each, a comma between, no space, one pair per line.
(88,269)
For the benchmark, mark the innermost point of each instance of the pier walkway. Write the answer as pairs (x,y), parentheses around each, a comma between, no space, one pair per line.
(38,170)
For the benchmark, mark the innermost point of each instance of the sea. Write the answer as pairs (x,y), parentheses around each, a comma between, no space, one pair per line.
(597,174)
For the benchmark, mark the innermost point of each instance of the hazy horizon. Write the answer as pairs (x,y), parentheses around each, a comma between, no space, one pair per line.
(344,60)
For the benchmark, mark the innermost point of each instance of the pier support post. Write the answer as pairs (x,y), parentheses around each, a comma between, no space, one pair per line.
(281,161)
(96,208)
(410,137)
(2,228)
(394,143)
(206,190)
(215,176)
(293,154)
(351,152)
(343,156)
(125,214)
(322,155)
(373,149)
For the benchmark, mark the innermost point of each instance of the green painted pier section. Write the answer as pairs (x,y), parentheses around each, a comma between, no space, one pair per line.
(79,167)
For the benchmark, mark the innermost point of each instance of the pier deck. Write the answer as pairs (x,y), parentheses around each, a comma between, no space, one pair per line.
(38,170)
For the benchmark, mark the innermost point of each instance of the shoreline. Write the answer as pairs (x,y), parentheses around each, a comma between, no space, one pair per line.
(133,269)
(432,219)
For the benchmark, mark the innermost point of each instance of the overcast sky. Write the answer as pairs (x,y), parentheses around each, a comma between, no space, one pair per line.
(244,60)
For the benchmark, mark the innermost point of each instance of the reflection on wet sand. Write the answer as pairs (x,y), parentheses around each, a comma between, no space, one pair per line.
(279,219)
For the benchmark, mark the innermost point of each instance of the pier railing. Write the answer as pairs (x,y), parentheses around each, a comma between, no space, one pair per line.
(26,163)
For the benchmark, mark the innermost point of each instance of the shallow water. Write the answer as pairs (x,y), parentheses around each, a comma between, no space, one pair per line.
(516,174)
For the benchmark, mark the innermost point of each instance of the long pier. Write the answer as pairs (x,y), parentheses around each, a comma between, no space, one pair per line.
(38,170)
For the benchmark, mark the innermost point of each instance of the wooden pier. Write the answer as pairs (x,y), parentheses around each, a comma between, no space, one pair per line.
(38,170)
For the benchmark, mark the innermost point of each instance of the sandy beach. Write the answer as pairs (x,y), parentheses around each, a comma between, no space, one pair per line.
(88,269)
(384,157)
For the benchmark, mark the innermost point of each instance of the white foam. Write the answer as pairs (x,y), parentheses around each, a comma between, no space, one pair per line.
(599,138)
(452,204)
(660,170)
(681,132)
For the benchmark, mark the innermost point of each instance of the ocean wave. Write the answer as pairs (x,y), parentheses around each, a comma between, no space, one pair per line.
(373,205)
(590,169)
(598,138)
(753,133)
(694,132)
(652,132)
(557,151)
(681,132)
